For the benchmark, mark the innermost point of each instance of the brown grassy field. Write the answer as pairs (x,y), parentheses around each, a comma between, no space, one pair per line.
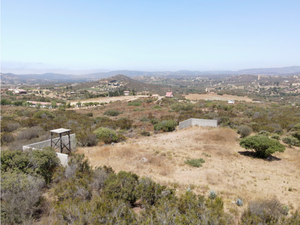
(214,96)
(226,169)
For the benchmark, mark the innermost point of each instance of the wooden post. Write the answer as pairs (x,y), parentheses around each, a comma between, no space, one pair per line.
(51,139)
(60,143)
(69,142)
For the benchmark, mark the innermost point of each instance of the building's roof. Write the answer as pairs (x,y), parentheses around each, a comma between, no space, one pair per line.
(126,91)
(60,130)
(169,94)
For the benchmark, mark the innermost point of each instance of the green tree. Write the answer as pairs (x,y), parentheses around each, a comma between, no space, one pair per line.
(262,145)
(53,104)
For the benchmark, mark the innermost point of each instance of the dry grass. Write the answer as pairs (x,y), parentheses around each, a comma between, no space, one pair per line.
(226,171)
(214,96)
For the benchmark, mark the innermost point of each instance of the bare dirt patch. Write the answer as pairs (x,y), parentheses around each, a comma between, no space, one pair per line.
(231,174)
(214,96)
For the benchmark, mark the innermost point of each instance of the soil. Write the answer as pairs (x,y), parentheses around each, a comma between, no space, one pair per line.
(228,169)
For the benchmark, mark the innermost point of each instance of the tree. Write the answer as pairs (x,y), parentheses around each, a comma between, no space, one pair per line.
(53,104)
(262,145)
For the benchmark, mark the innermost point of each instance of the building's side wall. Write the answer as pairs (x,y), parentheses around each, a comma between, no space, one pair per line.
(185,124)
(47,143)
(204,123)
(64,158)
(199,122)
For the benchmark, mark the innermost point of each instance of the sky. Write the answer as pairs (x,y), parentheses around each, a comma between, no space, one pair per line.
(149,35)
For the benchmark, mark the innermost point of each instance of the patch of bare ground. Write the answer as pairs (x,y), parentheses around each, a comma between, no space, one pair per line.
(214,96)
(231,174)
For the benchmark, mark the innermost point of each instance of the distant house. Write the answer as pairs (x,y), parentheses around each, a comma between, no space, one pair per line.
(169,95)
(230,101)
(126,93)
(155,96)
(20,91)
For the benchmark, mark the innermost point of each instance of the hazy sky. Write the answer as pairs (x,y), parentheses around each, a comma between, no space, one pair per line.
(149,35)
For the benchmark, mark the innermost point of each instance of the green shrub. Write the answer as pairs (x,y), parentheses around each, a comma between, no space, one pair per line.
(144,119)
(145,133)
(6,138)
(121,186)
(195,162)
(36,162)
(212,194)
(291,141)
(264,133)
(296,127)
(134,103)
(107,135)
(224,121)
(156,107)
(112,112)
(275,136)
(166,125)
(180,106)
(244,130)
(43,114)
(260,211)
(262,145)
(296,135)
(124,123)
(121,137)
(21,198)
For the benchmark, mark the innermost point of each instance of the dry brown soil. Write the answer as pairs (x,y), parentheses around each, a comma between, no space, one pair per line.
(226,170)
(214,96)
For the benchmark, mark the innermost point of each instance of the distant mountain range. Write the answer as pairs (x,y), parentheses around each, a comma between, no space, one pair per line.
(10,78)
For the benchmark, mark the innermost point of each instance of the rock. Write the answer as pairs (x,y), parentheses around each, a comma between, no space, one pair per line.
(144,160)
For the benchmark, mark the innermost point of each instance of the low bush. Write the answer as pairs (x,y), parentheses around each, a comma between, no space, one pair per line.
(166,125)
(195,162)
(291,141)
(6,138)
(107,135)
(263,212)
(275,136)
(264,133)
(156,107)
(145,133)
(124,123)
(134,103)
(35,162)
(180,106)
(30,133)
(43,114)
(112,112)
(244,130)
(9,126)
(21,197)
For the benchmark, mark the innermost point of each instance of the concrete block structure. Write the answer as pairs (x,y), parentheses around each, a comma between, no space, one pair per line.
(64,158)
(198,122)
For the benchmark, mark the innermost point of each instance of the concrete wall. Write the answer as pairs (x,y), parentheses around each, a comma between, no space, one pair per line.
(199,122)
(185,123)
(64,158)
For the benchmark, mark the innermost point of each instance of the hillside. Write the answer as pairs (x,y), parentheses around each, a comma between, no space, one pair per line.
(227,168)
